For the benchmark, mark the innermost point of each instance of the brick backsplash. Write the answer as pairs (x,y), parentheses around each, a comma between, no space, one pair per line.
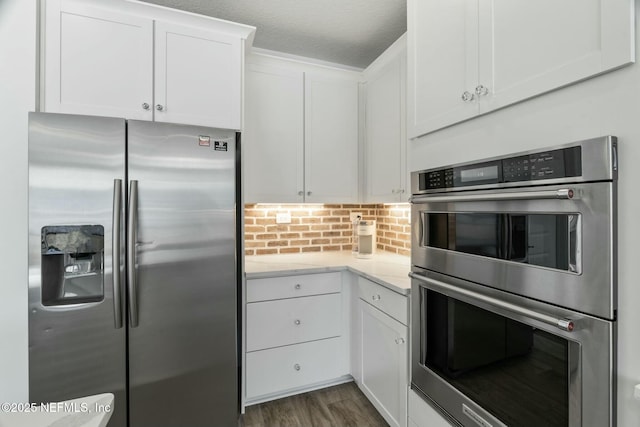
(393,228)
(321,228)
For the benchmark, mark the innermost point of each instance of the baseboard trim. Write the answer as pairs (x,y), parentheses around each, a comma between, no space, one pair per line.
(299,390)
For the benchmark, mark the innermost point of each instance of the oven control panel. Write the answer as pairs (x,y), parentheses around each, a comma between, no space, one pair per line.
(551,164)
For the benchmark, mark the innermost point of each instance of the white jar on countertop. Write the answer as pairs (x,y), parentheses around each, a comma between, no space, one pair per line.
(366,235)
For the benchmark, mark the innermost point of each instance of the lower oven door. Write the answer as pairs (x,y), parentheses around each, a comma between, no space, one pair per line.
(489,358)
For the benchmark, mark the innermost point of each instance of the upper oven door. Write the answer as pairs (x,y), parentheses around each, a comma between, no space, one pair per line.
(552,243)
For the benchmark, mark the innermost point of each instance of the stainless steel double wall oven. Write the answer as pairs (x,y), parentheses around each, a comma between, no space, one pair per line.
(514,287)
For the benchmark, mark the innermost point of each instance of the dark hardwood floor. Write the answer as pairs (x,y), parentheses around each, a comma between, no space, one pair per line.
(338,406)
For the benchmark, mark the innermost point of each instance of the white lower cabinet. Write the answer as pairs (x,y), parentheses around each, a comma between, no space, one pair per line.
(295,320)
(308,331)
(295,335)
(293,286)
(285,368)
(421,414)
(383,352)
(384,299)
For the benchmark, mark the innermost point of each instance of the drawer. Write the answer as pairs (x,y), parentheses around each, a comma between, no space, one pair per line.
(392,303)
(283,368)
(294,320)
(421,414)
(293,286)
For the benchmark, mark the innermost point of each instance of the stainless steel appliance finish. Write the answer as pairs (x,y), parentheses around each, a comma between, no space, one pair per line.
(599,160)
(170,315)
(514,287)
(587,284)
(590,360)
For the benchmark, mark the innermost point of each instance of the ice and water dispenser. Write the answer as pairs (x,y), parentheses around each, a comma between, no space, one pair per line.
(72,264)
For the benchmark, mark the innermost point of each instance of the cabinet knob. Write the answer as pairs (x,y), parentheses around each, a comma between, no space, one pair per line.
(145,106)
(468,96)
(375,297)
(297,322)
(308,193)
(394,191)
(159,107)
(400,340)
(481,90)
(298,286)
(300,193)
(296,367)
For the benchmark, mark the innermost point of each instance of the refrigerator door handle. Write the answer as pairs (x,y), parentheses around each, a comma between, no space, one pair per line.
(132,237)
(116,232)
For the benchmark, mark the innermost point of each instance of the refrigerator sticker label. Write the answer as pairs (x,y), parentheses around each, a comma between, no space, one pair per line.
(220,145)
(204,141)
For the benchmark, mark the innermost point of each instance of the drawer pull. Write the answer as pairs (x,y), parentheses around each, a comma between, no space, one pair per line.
(297,322)
(376,297)
(400,340)
(296,367)
(298,286)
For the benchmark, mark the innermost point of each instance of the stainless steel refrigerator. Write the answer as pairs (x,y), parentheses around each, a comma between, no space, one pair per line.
(133,268)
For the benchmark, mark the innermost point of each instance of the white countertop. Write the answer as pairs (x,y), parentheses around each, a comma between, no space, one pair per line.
(387,269)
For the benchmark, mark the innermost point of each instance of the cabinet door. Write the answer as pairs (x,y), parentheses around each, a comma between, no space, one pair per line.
(527,48)
(331,139)
(442,63)
(273,135)
(198,76)
(385,144)
(384,364)
(97,61)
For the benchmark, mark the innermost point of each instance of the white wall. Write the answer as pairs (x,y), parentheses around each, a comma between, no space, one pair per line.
(17,97)
(605,105)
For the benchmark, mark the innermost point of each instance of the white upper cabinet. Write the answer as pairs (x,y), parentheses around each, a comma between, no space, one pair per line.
(273,135)
(579,39)
(472,57)
(386,175)
(301,133)
(331,139)
(198,76)
(138,61)
(442,63)
(97,61)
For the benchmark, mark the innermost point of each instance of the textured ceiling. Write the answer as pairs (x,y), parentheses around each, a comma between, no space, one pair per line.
(349,32)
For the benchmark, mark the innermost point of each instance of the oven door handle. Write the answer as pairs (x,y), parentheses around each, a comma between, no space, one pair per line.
(561,194)
(436,285)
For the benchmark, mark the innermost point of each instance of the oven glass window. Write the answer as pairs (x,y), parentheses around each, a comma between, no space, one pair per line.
(518,373)
(547,240)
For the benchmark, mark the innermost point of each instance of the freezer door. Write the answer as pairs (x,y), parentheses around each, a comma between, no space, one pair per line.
(181,220)
(77,344)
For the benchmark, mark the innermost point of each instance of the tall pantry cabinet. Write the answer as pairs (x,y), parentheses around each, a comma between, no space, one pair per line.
(139,61)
